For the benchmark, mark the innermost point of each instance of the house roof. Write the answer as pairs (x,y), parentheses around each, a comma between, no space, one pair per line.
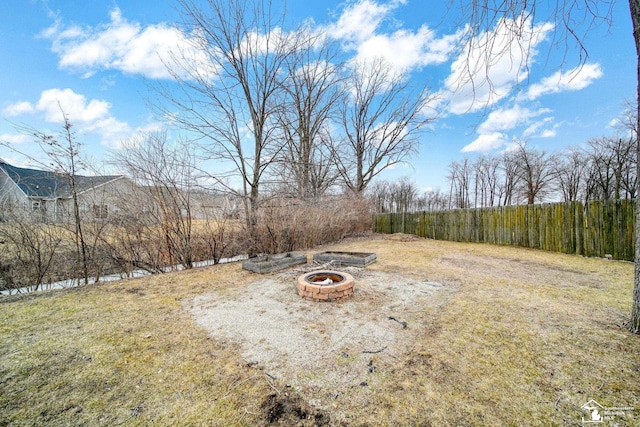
(51,185)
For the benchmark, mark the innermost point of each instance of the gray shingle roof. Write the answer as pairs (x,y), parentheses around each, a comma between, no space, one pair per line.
(51,185)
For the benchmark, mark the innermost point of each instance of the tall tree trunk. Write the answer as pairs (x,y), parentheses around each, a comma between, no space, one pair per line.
(81,245)
(635,313)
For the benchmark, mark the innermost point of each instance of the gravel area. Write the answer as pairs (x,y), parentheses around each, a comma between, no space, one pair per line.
(320,348)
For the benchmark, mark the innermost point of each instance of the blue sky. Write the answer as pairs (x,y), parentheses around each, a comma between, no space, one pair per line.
(96,58)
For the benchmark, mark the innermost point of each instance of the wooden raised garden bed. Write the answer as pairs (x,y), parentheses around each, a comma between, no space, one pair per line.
(268,263)
(354,259)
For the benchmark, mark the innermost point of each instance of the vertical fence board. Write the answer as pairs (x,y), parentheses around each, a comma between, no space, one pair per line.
(596,228)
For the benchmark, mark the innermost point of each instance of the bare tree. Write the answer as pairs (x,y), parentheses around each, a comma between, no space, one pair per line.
(310,92)
(535,171)
(628,126)
(570,173)
(612,168)
(634,325)
(380,195)
(227,94)
(405,195)
(165,173)
(480,178)
(381,121)
(510,178)
(601,182)
(460,175)
(396,196)
(486,180)
(435,200)
(63,157)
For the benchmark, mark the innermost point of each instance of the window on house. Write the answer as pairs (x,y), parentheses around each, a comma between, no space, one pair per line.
(100,211)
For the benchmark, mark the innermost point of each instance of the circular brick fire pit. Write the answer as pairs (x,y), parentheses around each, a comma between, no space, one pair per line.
(325,285)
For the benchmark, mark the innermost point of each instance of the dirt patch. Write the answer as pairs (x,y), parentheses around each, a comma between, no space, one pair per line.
(323,349)
(284,409)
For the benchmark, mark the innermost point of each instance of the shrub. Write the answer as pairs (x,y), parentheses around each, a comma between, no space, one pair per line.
(288,225)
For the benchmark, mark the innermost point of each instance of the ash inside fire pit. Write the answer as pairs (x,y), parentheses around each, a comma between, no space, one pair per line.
(324,279)
(325,286)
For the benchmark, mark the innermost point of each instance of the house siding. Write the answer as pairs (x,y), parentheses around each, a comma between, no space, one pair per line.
(43,196)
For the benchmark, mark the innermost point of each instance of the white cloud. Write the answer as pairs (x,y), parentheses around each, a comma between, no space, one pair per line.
(122,45)
(14,138)
(91,116)
(18,108)
(548,133)
(359,22)
(577,78)
(406,50)
(493,132)
(486,142)
(535,129)
(504,119)
(359,27)
(78,109)
(492,63)
(137,135)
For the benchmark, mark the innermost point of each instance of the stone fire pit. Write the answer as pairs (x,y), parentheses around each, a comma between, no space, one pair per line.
(325,285)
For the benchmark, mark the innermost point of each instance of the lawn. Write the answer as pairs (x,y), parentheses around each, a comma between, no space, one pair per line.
(495,336)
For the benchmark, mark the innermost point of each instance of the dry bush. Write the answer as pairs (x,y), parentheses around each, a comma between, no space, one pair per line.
(33,253)
(138,242)
(38,253)
(214,240)
(133,242)
(286,225)
(30,253)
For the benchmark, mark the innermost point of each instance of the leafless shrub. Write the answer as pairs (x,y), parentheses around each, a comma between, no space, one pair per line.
(30,252)
(287,225)
(136,243)
(33,253)
(218,238)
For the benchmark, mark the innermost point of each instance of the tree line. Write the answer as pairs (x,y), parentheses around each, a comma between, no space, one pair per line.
(604,169)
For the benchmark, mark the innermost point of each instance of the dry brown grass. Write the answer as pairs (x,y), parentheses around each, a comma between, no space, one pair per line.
(526,339)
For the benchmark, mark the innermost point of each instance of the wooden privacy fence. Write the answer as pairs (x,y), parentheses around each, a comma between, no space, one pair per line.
(595,229)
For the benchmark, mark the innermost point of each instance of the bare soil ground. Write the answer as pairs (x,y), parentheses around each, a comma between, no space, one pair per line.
(324,350)
(494,336)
